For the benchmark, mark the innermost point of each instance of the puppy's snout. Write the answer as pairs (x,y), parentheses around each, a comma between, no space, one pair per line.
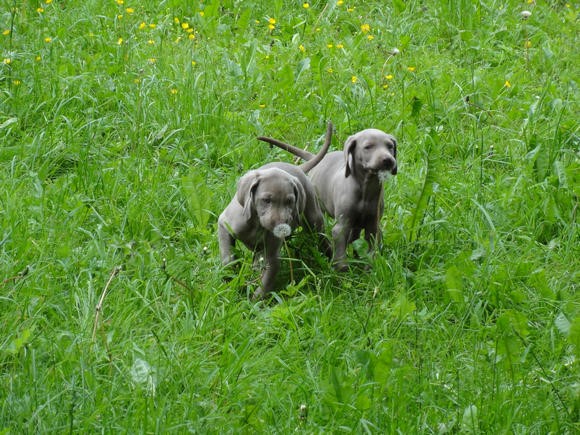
(389,164)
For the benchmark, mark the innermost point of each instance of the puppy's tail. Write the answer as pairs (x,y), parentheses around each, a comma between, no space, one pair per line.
(311,159)
(307,166)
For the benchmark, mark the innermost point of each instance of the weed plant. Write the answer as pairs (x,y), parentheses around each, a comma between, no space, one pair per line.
(124,126)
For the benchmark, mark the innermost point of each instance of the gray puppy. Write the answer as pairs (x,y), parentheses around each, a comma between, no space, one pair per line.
(269,203)
(350,185)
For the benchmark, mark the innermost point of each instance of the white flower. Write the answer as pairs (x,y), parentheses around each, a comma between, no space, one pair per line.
(282,230)
(384,175)
(526,14)
(395,51)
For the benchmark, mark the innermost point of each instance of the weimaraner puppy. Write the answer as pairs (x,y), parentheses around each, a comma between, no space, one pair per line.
(269,203)
(350,185)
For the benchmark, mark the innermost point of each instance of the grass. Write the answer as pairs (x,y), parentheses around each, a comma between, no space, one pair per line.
(124,127)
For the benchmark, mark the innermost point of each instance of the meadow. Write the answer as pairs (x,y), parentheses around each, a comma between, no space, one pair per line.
(124,126)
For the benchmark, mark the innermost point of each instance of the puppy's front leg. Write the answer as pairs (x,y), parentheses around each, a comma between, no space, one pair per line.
(226,243)
(340,235)
(271,267)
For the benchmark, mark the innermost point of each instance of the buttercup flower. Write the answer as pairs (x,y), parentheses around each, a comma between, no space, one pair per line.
(120,41)
(120,2)
(40,10)
(48,39)
(507,84)
(6,32)
(305,5)
(271,23)
(528,44)
(301,48)
(411,68)
(389,77)
(354,79)
(130,10)
(7,61)
(365,28)
(142,25)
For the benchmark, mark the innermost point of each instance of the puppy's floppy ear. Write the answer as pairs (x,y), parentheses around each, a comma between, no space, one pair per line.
(300,195)
(349,147)
(245,193)
(394,171)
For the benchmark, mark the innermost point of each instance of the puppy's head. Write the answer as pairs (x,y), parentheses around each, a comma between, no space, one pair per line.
(371,151)
(275,197)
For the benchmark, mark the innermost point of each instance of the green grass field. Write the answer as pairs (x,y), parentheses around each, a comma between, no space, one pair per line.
(124,126)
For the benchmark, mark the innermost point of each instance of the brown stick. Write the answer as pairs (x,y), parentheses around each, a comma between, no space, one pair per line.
(99,306)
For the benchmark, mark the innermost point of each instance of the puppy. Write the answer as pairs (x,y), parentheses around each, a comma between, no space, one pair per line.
(269,204)
(350,185)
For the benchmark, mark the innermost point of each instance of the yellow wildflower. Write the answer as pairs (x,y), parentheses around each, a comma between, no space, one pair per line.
(193,63)
(6,32)
(305,5)
(354,79)
(130,10)
(40,10)
(16,82)
(173,91)
(339,46)
(142,25)
(151,42)
(120,41)
(339,2)
(370,37)
(201,13)
(7,61)
(151,60)
(38,58)
(350,9)
(389,77)
(411,68)
(48,2)
(120,2)
(329,45)
(176,20)
(152,25)
(48,39)
(185,26)
(301,48)
(528,44)
(507,84)
(191,36)
(365,28)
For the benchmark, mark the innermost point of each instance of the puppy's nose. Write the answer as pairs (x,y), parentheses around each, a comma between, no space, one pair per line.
(389,164)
